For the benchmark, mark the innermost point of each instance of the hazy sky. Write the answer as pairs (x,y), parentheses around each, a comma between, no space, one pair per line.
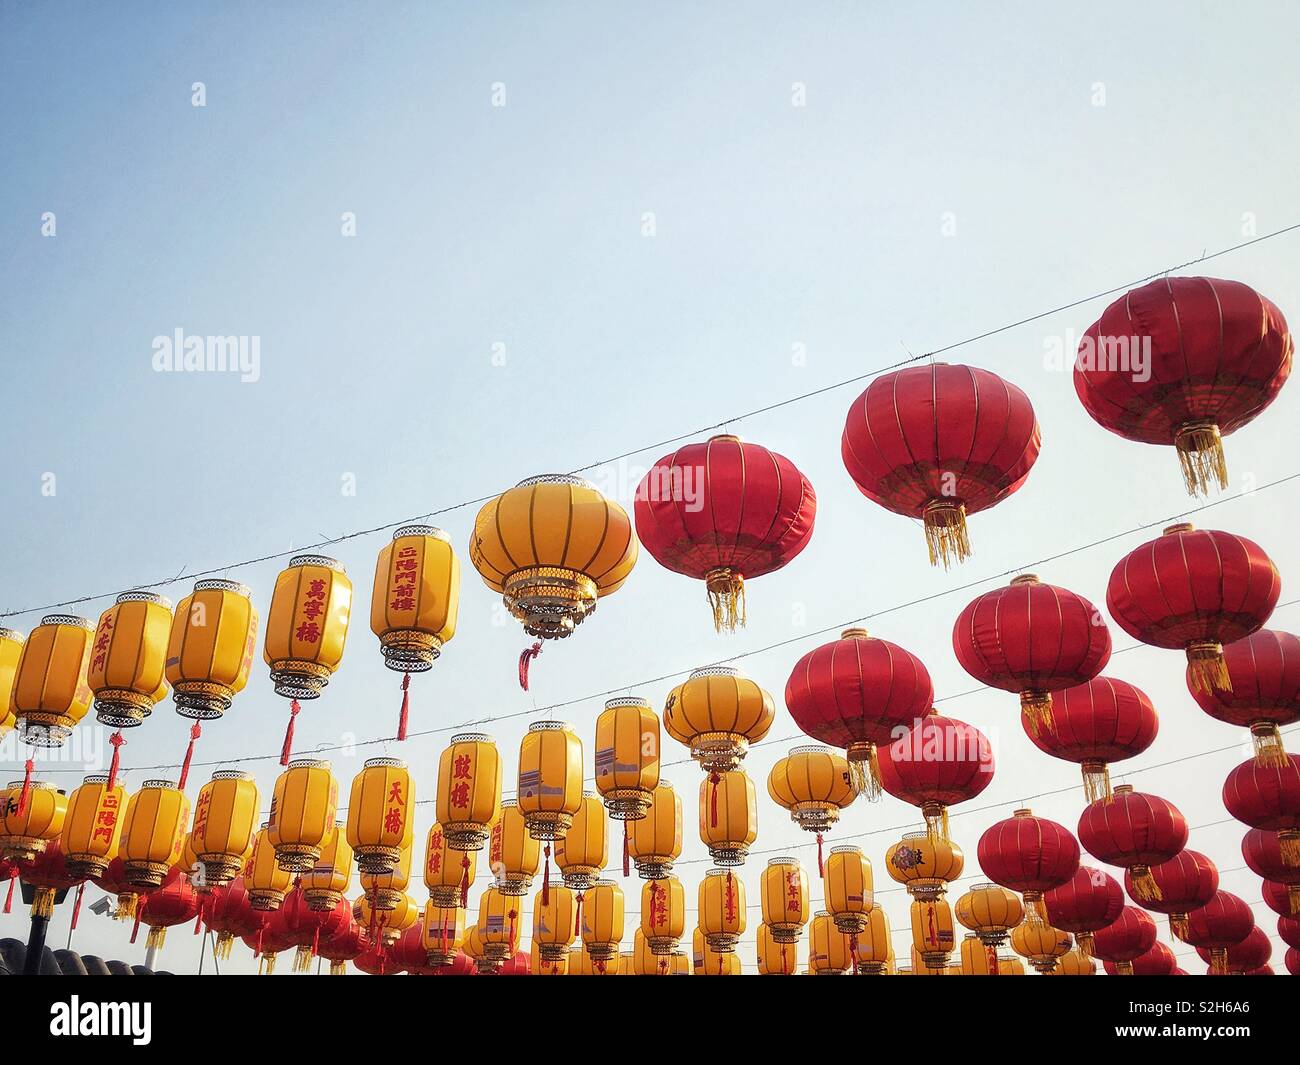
(648,237)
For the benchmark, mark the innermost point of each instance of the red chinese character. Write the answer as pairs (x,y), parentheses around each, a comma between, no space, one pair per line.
(460,771)
(403,602)
(316,590)
(393,820)
(460,795)
(311,610)
(308,631)
(435,860)
(395,793)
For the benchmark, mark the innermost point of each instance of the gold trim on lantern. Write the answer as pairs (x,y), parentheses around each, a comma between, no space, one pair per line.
(945,532)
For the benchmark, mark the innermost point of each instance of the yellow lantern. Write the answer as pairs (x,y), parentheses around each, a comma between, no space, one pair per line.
(784,890)
(306,631)
(627,757)
(302,812)
(92,826)
(384,890)
(413,602)
(225,821)
(932,931)
(550,779)
(325,884)
(920,968)
(1073,963)
(717,713)
(513,854)
(776,957)
(849,895)
(129,658)
(581,963)
(710,962)
(655,841)
(663,914)
(552,546)
(153,833)
(210,648)
(386,925)
(582,851)
(380,814)
(990,911)
(978,958)
(469,790)
(644,962)
(602,920)
(448,873)
(11,650)
(728,816)
(498,925)
(267,882)
(1008,966)
(875,953)
(828,947)
(50,694)
(813,784)
(26,830)
(1040,944)
(442,933)
(472,947)
(923,865)
(722,910)
(538,966)
(555,921)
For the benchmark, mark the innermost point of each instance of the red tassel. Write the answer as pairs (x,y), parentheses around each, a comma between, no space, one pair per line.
(258,952)
(27,788)
(9,897)
(315,942)
(513,915)
(992,961)
(464,881)
(853,951)
(627,855)
(406,707)
(714,781)
(196,730)
(118,741)
(546,877)
(577,917)
(287,749)
(785,962)
(821,869)
(76,906)
(135,928)
(731,896)
(525,659)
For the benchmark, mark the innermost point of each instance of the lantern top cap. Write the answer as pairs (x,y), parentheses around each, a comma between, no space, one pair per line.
(605,884)
(556,478)
(724,436)
(1123,789)
(309,763)
(11,634)
(715,671)
(855,632)
(162,785)
(36,785)
(383,763)
(822,913)
(627,700)
(232,774)
(1178,527)
(549,726)
(986,886)
(95,778)
(220,584)
(811,748)
(846,848)
(719,871)
(317,560)
(1025,578)
(421,530)
(509,802)
(75,620)
(915,836)
(1024,811)
(141,596)
(784,859)
(472,737)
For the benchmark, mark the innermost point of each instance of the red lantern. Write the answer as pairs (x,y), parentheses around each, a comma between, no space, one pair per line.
(48,873)
(1094,724)
(1090,900)
(1222,922)
(1293,961)
(302,927)
(1034,639)
(343,946)
(1249,954)
(1030,855)
(1124,940)
(1194,590)
(1268,797)
(114,881)
(723,511)
(518,964)
(462,965)
(1288,930)
(1136,831)
(1186,882)
(1184,361)
(408,953)
(376,960)
(228,913)
(939,443)
(266,943)
(1278,898)
(939,763)
(175,902)
(1264,677)
(1158,961)
(1262,851)
(859,693)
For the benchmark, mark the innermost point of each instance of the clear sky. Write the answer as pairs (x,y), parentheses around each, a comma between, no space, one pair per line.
(506,308)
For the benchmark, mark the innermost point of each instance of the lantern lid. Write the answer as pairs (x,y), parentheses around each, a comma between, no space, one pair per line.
(855,632)
(810,748)
(220,584)
(317,560)
(1178,527)
(717,871)
(141,596)
(846,848)
(11,634)
(421,530)
(74,620)
(1025,578)
(822,913)
(715,671)
(163,785)
(34,785)
(509,802)
(95,778)
(605,884)
(472,737)
(916,835)
(549,726)
(556,478)
(588,794)
(985,886)
(232,774)
(783,860)
(627,700)
(383,763)
(1123,789)
(309,763)
(724,436)
(1023,812)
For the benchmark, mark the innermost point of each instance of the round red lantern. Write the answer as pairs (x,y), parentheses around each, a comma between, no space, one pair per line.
(1262,851)
(1251,953)
(1184,361)
(376,960)
(408,953)
(859,693)
(1194,590)
(302,927)
(175,902)
(1030,855)
(1186,882)
(1268,797)
(1264,678)
(518,964)
(1096,724)
(1279,898)
(723,511)
(48,874)
(1288,930)
(1158,961)
(1034,639)
(462,965)
(1090,900)
(1222,922)
(1293,961)
(266,943)
(938,764)
(228,913)
(1124,940)
(343,946)
(1136,831)
(940,442)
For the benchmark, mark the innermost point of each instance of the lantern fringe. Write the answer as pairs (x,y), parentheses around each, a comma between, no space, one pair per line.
(1206,670)
(577,912)
(1289,844)
(627,856)
(945,532)
(1178,925)
(225,941)
(405,712)
(1200,454)
(1145,888)
(1219,961)
(864,771)
(118,741)
(196,730)
(266,967)
(1123,968)
(338,968)
(302,959)
(154,940)
(936,825)
(1096,782)
(464,881)
(9,895)
(126,907)
(821,866)
(726,589)
(1269,752)
(135,927)
(546,877)
(1293,896)
(525,660)
(286,752)
(1037,710)
(43,902)
(714,781)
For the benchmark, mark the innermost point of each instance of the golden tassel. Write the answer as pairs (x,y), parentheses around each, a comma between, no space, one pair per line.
(1219,960)
(726,598)
(1178,925)
(1206,669)
(945,532)
(268,960)
(225,940)
(302,960)
(1268,744)
(1123,968)
(936,823)
(864,771)
(1084,942)
(1037,709)
(1288,843)
(1293,895)
(1096,782)
(154,940)
(43,902)
(338,968)
(126,907)
(1200,453)
(1145,888)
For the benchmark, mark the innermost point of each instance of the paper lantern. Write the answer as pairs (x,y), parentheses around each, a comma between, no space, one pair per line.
(153,832)
(210,647)
(380,814)
(302,812)
(469,789)
(128,658)
(92,825)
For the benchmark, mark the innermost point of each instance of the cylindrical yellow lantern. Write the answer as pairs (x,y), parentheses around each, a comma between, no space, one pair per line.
(728,816)
(990,911)
(602,920)
(875,954)
(828,947)
(550,779)
(1073,963)
(718,713)
(978,958)
(655,841)
(627,757)
(327,882)
(210,649)
(469,790)
(225,821)
(1009,966)
(1040,944)
(721,914)
(50,693)
(923,865)
(129,657)
(581,853)
(153,832)
(26,830)
(709,962)
(932,931)
(784,889)
(302,812)
(849,894)
(386,925)
(663,914)
(385,890)
(266,880)
(813,784)
(555,921)
(11,650)
(498,925)
(447,873)
(442,933)
(776,957)
(92,826)
(380,814)
(539,966)
(513,855)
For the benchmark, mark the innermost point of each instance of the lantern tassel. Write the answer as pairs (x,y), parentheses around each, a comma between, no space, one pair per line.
(936,822)
(577,915)
(864,771)
(1206,670)
(302,959)
(1084,941)
(991,961)
(287,749)
(154,940)
(627,853)
(27,787)
(1219,960)
(546,877)
(1288,842)
(1293,896)
(726,589)
(1269,751)
(945,532)
(1096,782)
(785,962)
(135,928)
(406,706)
(196,730)
(714,781)
(338,968)
(464,881)
(225,941)
(43,902)
(525,660)
(9,895)
(1200,454)
(1037,710)
(1144,886)
(118,741)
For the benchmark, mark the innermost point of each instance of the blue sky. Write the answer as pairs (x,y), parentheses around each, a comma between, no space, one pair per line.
(951,171)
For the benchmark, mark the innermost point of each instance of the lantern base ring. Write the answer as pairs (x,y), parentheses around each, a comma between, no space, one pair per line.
(296,679)
(495,953)
(602,951)
(145,874)
(552,951)
(448,896)
(265,899)
(321,900)
(384,899)
(548,825)
(661,946)
(220,869)
(85,866)
(23,848)
(729,856)
(627,804)
(814,816)
(722,942)
(657,868)
(551,601)
(296,857)
(45,730)
(580,877)
(784,933)
(853,924)
(438,958)
(376,860)
(409,651)
(719,752)
(201,700)
(465,836)
(119,708)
